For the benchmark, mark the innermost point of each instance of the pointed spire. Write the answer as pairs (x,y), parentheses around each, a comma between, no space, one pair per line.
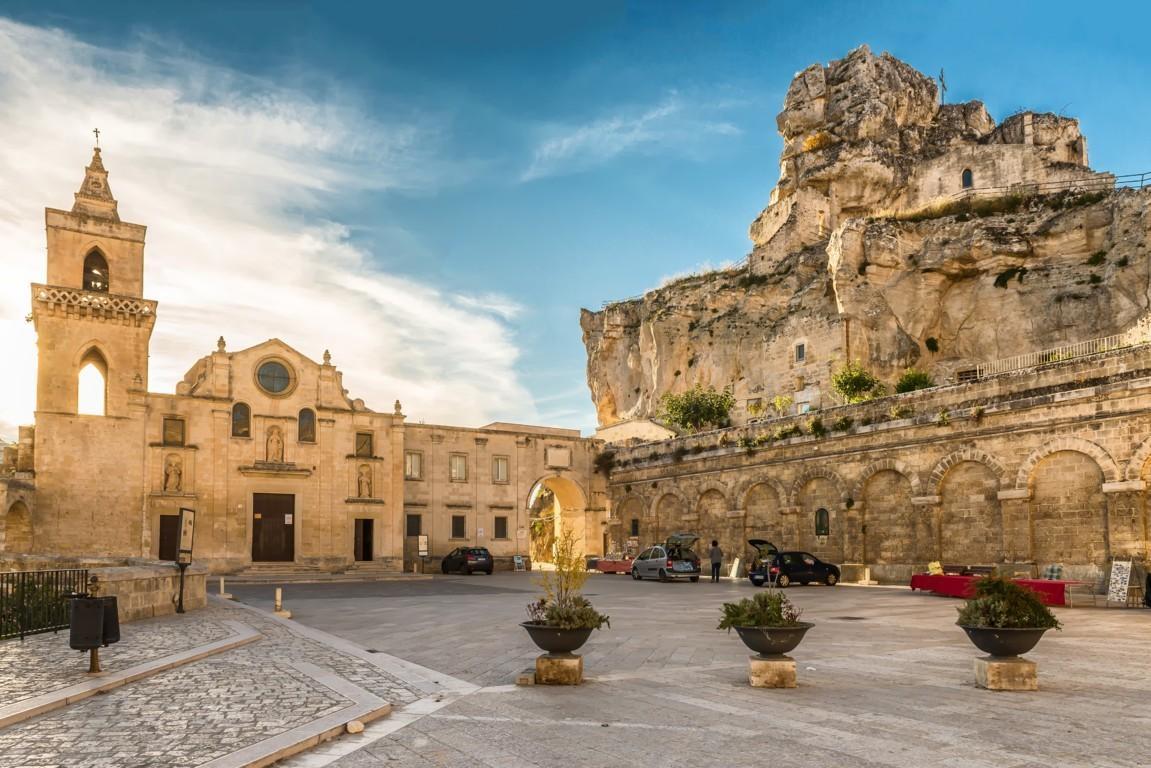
(95,196)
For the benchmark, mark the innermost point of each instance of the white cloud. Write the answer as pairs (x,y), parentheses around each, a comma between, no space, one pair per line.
(232,176)
(673,124)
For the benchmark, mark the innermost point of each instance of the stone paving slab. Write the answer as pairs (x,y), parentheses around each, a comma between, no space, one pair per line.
(292,688)
(42,663)
(885,679)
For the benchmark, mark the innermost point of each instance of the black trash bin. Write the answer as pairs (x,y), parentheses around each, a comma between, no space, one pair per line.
(93,622)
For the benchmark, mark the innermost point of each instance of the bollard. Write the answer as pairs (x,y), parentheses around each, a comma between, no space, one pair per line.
(279,605)
(223,593)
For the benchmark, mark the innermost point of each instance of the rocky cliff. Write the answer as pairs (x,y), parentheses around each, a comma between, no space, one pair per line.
(901,232)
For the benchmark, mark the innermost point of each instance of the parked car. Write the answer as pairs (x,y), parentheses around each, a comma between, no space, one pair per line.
(764,550)
(786,568)
(467,560)
(614,563)
(674,559)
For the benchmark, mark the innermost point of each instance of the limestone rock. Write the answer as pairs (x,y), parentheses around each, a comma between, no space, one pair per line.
(898,226)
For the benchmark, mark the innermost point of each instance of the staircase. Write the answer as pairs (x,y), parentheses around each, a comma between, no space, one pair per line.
(295,573)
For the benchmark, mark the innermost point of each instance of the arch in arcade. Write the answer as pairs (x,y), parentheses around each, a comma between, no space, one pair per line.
(555,503)
(16,529)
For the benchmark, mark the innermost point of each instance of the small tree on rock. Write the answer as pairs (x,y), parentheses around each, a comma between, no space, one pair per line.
(697,408)
(913,379)
(855,384)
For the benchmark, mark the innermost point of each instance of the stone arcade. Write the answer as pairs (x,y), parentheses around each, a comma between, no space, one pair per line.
(280,464)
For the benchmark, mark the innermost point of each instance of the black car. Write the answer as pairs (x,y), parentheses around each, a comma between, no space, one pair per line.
(786,568)
(467,560)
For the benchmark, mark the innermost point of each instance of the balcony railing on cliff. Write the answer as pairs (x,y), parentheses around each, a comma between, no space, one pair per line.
(1059,354)
(1096,182)
(32,602)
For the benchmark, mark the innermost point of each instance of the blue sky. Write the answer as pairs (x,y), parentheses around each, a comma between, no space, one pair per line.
(510,161)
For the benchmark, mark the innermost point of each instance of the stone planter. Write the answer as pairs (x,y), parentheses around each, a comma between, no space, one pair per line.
(773,641)
(554,639)
(1001,642)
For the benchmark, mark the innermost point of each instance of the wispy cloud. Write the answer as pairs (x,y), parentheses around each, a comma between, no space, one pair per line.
(674,124)
(234,178)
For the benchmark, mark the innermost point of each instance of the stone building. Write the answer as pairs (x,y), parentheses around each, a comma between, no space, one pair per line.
(280,464)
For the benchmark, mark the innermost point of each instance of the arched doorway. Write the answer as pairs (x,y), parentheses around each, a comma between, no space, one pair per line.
(554,503)
(16,530)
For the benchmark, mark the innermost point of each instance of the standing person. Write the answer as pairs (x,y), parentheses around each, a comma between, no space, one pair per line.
(716,560)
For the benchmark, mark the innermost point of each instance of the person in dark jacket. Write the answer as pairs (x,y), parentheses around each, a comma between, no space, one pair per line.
(716,560)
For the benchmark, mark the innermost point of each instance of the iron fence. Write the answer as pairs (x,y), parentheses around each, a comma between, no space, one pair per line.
(32,602)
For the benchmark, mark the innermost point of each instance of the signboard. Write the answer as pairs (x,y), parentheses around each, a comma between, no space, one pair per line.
(1120,580)
(422,545)
(518,560)
(288,518)
(187,532)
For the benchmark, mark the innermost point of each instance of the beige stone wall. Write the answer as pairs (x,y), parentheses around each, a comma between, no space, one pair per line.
(1035,467)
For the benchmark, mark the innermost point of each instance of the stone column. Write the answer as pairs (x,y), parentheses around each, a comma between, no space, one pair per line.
(1126,534)
(1015,505)
(926,512)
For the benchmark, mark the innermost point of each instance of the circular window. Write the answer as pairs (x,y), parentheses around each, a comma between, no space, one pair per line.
(274,377)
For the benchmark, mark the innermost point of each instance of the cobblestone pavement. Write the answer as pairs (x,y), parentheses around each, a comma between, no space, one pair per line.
(44,663)
(885,680)
(192,714)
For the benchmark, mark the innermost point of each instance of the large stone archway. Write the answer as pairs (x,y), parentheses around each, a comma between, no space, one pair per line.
(970,516)
(16,529)
(554,503)
(1068,511)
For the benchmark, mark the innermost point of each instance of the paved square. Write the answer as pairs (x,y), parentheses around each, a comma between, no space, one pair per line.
(885,679)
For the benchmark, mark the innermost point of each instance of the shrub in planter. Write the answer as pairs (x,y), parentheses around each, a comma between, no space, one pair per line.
(767,623)
(1005,618)
(563,619)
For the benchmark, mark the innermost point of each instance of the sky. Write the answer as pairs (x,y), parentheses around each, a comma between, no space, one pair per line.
(433,190)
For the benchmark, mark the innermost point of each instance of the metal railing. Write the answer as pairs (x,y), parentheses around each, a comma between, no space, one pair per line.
(32,602)
(1056,355)
(1096,182)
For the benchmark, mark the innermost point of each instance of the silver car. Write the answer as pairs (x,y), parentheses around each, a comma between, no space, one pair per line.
(674,559)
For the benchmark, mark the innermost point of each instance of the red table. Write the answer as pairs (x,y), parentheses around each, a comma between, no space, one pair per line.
(1051,591)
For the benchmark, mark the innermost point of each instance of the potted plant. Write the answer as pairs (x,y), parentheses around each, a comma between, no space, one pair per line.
(1005,619)
(562,620)
(767,623)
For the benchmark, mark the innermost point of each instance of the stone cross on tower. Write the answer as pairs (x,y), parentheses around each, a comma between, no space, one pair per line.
(97,132)
(942,87)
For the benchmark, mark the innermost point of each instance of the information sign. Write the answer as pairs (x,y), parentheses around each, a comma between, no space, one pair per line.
(422,545)
(187,533)
(1120,580)
(518,560)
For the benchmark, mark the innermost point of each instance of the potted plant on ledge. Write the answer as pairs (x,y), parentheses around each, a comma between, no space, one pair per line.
(562,620)
(768,624)
(1005,620)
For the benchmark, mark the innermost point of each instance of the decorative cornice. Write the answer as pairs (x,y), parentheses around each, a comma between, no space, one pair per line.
(92,303)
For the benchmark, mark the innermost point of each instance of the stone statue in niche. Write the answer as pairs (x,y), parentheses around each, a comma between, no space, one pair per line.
(173,474)
(364,482)
(275,446)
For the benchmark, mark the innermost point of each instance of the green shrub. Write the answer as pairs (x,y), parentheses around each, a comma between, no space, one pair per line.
(1094,279)
(1097,258)
(842,424)
(697,408)
(1121,262)
(1003,604)
(782,433)
(815,426)
(766,609)
(913,379)
(855,384)
(604,462)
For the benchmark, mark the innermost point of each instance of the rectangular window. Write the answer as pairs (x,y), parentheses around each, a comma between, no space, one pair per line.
(967,376)
(802,407)
(800,353)
(459,527)
(414,525)
(501,528)
(413,465)
(458,467)
(173,431)
(363,443)
(499,469)
(635,526)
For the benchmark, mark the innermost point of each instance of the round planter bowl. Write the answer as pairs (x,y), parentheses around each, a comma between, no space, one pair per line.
(1004,642)
(773,641)
(554,639)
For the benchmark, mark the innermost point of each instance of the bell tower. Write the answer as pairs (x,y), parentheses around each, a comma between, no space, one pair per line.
(93,325)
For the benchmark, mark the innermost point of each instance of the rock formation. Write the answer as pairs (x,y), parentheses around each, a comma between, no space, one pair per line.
(901,232)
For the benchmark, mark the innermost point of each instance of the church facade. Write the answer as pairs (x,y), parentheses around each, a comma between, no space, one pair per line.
(280,464)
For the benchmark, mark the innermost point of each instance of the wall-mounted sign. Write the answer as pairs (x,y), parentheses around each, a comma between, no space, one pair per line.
(288,518)
(479,532)
(422,545)
(187,534)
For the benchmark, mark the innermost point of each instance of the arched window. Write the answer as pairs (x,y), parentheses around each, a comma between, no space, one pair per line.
(306,426)
(95,272)
(968,180)
(92,384)
(241,420)
(822,522)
